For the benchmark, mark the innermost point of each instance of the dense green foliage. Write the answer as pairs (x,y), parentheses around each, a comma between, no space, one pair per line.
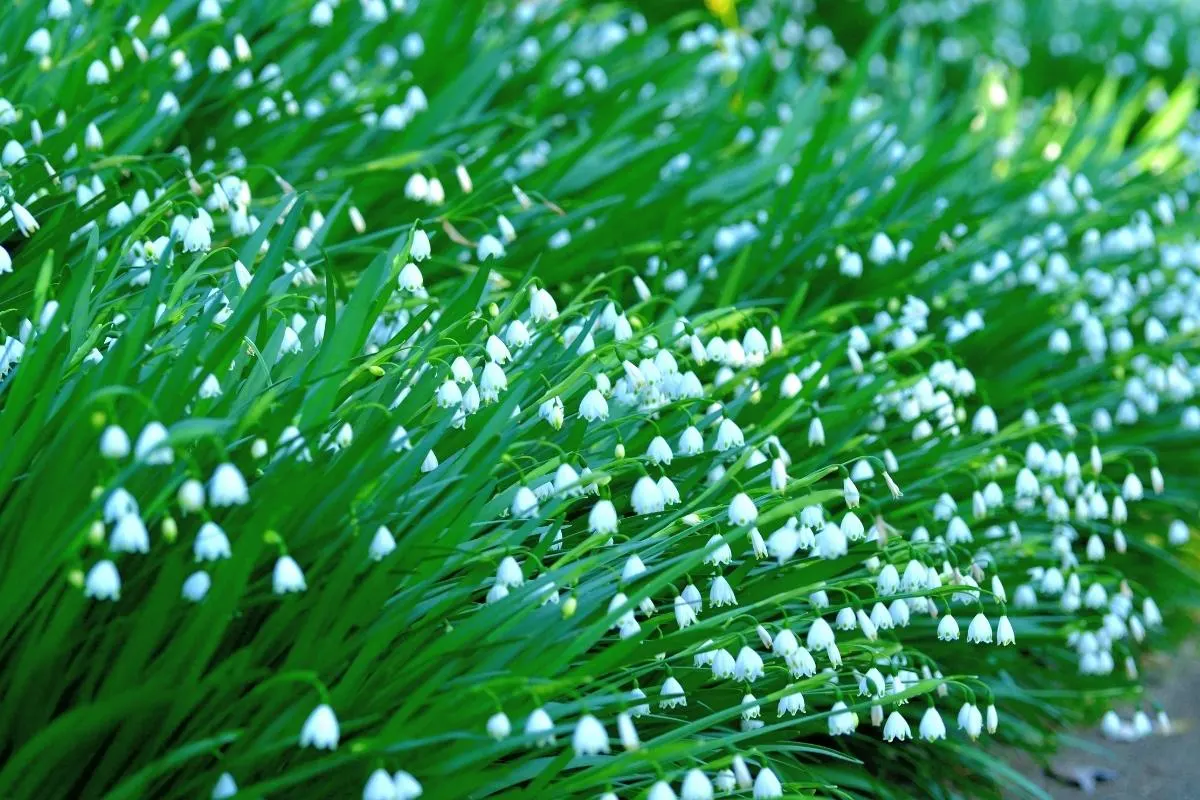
(411,399)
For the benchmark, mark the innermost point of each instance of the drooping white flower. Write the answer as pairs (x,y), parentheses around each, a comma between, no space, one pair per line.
(932,728)
(749,665)
(380,786)
(460,370)
(970,720)
(589,738)
(211,543)
(524,503)
(103,582)
(421,248)
(114,442)
(509,572)
(842,721)
(846,620)
(887,582)
(219,60)
(720,593)
(321,729)
(417,187)
(626,732)
(1141,724)
(196,587)
(542,307)
(985,421)
(198,236)
(321,15)
(27,224)
(489,247)
(723,664)
(672,694)
(784,643)
(784,543)
(1131,488)
(210,387)
(1004,632)
(1053,582)
(834,655)
(410,278)
(498,726)
(853,527)
(552,412)
(766,785)
(725,781)
(691,443)
(685,615)
(12,153)
(866,625)
(622,328)
(742,510)
(899,613)
(492,382)
(641,709)
(97,73)
(820,635)
(593,406)
(647,498)
(696,786)
(603,518)
(38,44)
(832,542)
(540,725)
(1027,484)
(791,704)
(980,630)
(881,617)
(130,536)
(693,597)
(896,728)
(659,452)
(92,140)
(816,433)
(287,577)
(516,334)
(382,544)
(225,787)
(661,790)
(507,232)
(850,492)
(958,532)
(119,504)
(227,487)
(719,551)
(741,772)
(778,475)
(633,569)
(152,447)
(729,435)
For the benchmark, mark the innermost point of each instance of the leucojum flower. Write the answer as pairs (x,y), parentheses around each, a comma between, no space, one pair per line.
(500,443)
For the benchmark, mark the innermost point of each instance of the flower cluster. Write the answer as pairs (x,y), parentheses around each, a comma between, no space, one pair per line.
(555,405)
